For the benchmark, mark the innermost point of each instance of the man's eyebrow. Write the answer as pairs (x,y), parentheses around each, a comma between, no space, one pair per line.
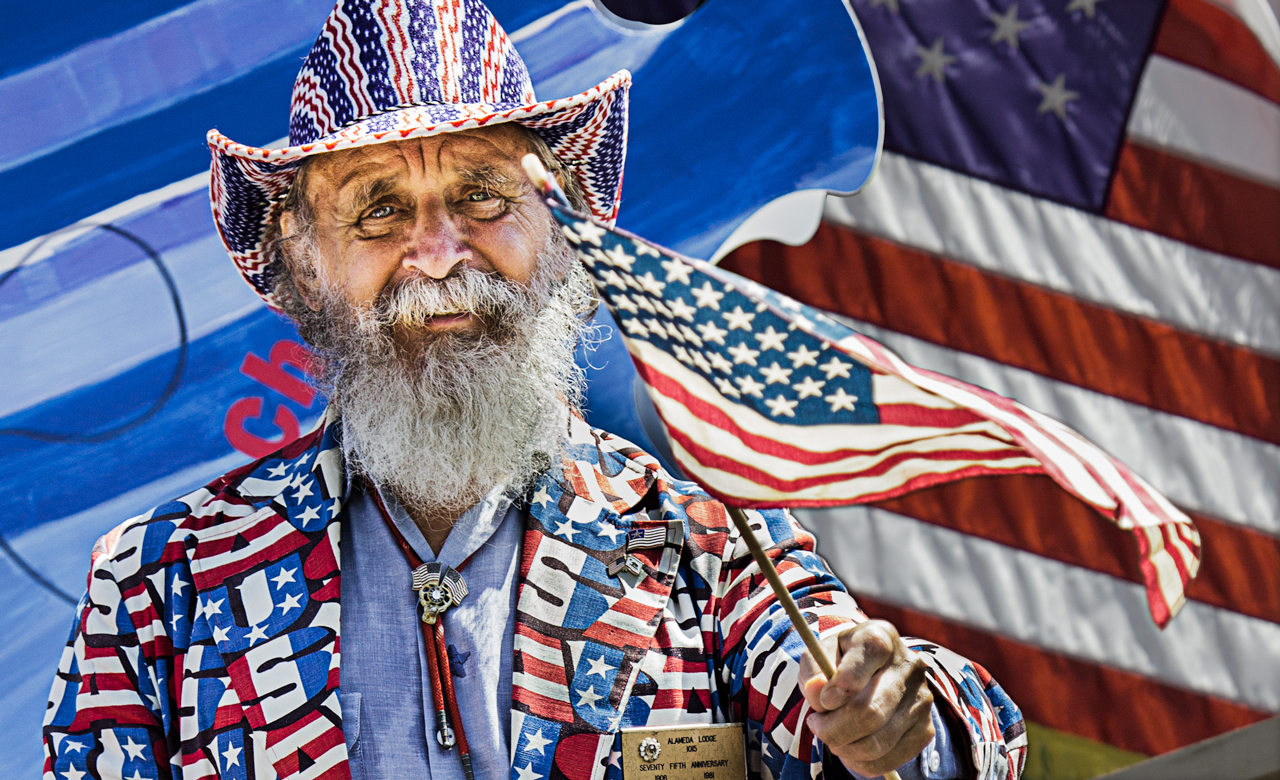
(369,192)
(487,176)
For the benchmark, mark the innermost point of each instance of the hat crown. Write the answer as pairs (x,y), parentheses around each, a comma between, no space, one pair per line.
(374,56)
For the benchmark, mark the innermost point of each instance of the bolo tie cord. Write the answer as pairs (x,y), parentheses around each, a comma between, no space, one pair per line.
(449,730)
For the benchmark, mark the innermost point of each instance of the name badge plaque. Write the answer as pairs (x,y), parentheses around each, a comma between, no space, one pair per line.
(713,751)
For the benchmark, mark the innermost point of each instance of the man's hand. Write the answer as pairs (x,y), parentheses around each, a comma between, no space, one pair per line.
(874,714)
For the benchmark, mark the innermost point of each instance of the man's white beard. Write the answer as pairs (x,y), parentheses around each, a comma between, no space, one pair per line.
(441,418)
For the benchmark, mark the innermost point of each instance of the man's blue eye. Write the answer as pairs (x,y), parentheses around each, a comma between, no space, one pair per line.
(477,197)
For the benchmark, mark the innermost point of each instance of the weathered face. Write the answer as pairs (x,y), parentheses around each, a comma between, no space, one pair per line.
(424,208)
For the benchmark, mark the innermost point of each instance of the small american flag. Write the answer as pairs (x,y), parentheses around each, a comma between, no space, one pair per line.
(770,403)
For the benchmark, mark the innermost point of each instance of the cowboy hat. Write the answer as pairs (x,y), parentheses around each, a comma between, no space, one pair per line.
(390,70)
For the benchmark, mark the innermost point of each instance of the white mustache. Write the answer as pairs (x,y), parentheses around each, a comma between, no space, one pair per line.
(415,302)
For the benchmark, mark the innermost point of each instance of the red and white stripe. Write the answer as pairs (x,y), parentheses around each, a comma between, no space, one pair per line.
(394,19)
(338,28)
(1154,329)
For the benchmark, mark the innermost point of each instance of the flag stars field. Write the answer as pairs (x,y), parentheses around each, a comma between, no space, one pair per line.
(696,332)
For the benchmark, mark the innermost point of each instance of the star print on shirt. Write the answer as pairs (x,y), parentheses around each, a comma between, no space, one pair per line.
(134,749)
(527,773)
(536,741)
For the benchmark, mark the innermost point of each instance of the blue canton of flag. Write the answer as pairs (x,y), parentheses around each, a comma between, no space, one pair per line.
(1034,95)
(768,402)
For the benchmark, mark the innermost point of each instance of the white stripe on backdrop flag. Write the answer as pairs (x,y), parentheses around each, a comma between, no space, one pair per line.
(770,403)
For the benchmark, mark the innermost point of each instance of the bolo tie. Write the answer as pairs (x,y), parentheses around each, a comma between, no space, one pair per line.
(438,588)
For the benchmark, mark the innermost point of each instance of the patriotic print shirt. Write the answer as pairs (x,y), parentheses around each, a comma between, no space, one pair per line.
(207,644)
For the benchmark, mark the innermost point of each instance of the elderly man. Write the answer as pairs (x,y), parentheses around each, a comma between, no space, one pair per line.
(454,575)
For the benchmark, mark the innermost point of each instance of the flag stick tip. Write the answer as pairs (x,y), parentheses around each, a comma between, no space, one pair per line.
(537,174)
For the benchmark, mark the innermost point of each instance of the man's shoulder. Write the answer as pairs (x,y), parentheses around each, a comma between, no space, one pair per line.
(630,473)
(274,488)
(627,468)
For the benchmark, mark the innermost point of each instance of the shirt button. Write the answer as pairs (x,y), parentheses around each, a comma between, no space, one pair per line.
(935,761)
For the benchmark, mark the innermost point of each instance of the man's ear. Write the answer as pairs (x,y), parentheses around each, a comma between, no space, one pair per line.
(304,278)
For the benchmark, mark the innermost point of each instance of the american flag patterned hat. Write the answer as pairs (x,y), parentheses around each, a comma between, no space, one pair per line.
(389,70)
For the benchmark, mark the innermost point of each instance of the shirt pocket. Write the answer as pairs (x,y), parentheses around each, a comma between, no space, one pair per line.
(351,733)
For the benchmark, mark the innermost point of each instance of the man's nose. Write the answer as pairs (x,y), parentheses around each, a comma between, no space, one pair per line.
(437,245)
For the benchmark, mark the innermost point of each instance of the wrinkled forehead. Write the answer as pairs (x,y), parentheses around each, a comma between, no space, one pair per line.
(447,156)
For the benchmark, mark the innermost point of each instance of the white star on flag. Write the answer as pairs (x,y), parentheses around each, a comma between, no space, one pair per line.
(750,386)
(776,374)
(781,405)
(739,318)
(619,257)
(680,308)
(771,339)
(803,357)
(808,387)
(933,61)
(841,400)
(589,232)
(707,297)
(676,271)
(1056,96)
(744,354)
(835,367)
(1008,26)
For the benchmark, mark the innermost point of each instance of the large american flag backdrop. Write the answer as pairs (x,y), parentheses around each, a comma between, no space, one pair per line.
(1078,206)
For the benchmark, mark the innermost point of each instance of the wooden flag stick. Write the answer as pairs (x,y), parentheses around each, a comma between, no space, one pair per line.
(789,604)
(780,590)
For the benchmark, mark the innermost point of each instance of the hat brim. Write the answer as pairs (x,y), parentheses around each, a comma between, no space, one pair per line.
(587,132)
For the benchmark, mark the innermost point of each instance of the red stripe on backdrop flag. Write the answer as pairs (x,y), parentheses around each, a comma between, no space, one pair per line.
(1188,201)
(1239,569)
(1019,324)
(1093,701)
(1206,36)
